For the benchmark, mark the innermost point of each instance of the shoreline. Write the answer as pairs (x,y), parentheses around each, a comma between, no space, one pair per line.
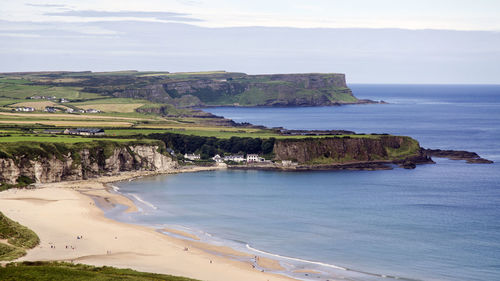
(60,212)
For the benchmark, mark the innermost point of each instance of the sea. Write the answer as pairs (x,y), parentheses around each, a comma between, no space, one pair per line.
(436,222)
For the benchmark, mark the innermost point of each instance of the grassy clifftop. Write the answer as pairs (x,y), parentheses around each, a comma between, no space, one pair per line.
(181,89)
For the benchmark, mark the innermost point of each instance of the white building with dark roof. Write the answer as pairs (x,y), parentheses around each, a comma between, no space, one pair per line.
(218,159)
(192,156)
(85,132)
(254,158)
(235,158)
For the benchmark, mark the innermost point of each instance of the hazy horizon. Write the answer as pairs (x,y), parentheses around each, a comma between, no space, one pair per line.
(429,42)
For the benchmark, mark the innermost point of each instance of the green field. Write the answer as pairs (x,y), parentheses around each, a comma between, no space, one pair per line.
(111,101)
(22,89)
(55,139)
(8,101)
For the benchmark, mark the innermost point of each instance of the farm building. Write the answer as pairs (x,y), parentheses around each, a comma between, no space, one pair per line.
(85,132)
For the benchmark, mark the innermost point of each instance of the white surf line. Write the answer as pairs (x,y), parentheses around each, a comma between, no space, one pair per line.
(330,265)
(297,259)
(143,201)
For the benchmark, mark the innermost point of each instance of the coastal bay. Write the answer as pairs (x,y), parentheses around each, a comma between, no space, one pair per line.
(73,229)
(330,238)
(385,222)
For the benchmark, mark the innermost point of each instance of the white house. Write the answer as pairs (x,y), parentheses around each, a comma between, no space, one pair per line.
(288,163)
(69,110)
(235,158)
(218,159)
(254,158)
(91,110)
(192,156)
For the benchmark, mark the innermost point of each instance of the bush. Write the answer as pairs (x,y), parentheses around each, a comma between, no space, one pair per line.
(24,181)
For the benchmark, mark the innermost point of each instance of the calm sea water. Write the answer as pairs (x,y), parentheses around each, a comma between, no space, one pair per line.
(437,222)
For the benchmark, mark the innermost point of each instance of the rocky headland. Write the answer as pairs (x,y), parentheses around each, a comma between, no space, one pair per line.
(469,157)
(26,163)
(219,88)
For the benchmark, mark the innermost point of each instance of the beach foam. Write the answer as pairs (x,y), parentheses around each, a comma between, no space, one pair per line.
(296,259)
(136,197)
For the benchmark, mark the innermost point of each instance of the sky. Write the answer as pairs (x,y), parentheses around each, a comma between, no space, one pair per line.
(383,41)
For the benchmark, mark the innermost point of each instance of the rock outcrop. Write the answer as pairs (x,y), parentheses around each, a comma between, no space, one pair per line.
(469,157)
(84,163)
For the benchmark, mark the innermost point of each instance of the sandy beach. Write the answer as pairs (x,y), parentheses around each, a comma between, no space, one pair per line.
(72,228)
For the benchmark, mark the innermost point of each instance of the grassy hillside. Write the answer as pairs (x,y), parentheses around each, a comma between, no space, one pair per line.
(18,239)
(49,271)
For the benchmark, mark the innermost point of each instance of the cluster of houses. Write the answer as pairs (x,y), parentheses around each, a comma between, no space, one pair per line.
(52,109)
(42,98)
(25,109)
(62,100)
(250,158)
(79,131)
(71,110)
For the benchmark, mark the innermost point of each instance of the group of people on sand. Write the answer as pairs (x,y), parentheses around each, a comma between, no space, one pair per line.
(53,246)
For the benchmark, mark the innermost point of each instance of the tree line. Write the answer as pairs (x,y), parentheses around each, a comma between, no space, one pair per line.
(208,147)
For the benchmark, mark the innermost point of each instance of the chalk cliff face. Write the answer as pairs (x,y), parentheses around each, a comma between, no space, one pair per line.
(84,164)
(342,150)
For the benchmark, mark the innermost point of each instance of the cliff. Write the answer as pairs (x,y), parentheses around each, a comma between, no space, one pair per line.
(265,90)
(332,151)
(43,162)
(226,89)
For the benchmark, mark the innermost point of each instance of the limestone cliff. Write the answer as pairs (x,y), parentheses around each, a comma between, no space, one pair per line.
(343,150)
(85,162)
(239,89)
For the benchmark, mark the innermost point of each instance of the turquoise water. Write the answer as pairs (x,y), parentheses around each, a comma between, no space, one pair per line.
(437,222)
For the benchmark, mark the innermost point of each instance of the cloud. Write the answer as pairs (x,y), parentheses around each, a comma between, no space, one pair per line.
(190,2)
(46,5)
(162,16)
